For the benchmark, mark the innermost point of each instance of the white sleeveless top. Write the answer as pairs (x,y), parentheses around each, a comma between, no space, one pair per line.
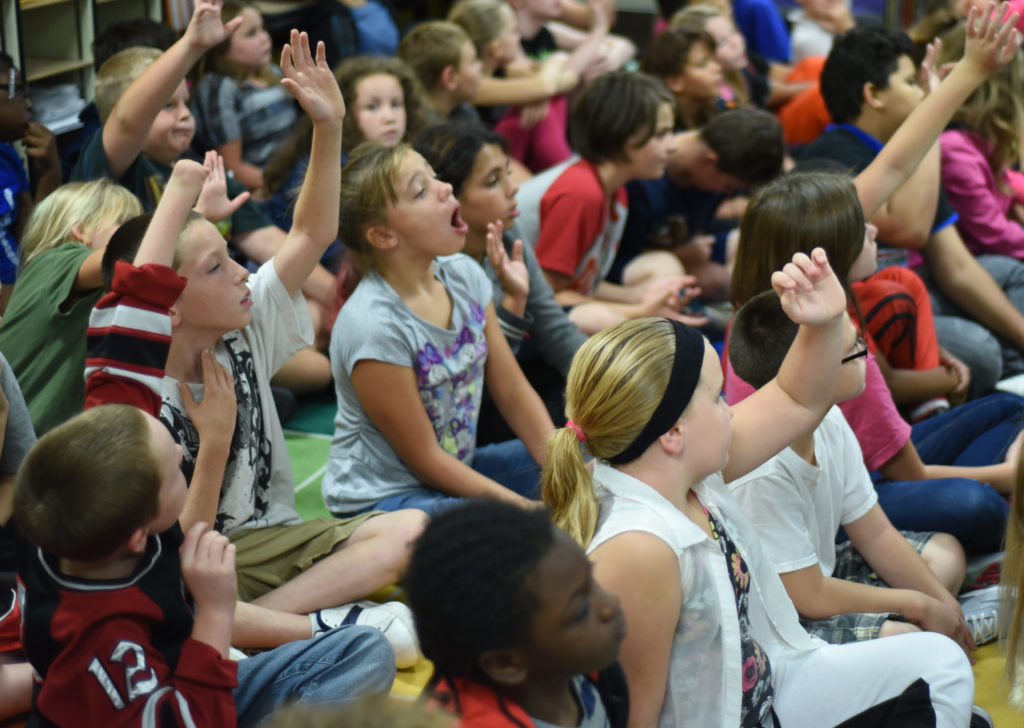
(705,671)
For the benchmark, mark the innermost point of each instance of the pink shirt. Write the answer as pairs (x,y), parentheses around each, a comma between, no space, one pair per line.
(872,416)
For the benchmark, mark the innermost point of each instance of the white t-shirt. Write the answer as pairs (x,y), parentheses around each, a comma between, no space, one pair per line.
(797,508)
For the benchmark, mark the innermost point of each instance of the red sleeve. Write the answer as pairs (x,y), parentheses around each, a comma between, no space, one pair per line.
(129,336)
(118,679)
(570,221)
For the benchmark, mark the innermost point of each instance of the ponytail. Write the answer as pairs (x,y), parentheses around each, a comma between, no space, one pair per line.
(567,489)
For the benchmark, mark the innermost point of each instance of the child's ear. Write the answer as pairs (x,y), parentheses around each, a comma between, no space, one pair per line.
(505,666)
(710,158)
(449,79)
(673,442)
(77,234)
(137,541)
(675,83)
(870,96)
(175,316)
(381,238)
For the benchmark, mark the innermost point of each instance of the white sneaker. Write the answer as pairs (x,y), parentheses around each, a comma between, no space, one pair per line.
(981,611)
(393,619)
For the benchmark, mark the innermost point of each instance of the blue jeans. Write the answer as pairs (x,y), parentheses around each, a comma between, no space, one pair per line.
(974,434)
(339,666)
(508,463)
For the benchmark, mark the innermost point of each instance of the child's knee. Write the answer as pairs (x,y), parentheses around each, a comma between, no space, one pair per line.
(891,627)
(946,558)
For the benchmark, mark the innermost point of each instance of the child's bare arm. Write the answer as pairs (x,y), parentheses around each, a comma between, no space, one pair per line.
(991,43)
(801,393)
(214,420)
(179,196)
(315,223)
(208,568)
(125,131)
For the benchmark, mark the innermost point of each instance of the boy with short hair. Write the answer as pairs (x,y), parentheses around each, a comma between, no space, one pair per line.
(113,615)
(870,85)
(881,582)
(142,100)
(251,327)
(444,59)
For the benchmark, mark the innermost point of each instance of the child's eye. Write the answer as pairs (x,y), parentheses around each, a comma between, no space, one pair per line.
(215,268)
(421,192)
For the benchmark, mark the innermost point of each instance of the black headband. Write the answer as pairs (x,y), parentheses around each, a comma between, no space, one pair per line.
(686,366)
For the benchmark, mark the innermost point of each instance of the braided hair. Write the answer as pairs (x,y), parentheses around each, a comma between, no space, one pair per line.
(468,587)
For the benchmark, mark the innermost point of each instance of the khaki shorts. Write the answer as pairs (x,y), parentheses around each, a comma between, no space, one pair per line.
(269,557)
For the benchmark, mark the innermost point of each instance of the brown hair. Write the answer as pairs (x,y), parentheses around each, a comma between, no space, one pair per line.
(369,188)
(89,483)
(668,53)
(431,47)
(215,60)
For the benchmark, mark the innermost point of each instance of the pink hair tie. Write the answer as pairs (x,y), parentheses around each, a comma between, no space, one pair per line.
(576,428)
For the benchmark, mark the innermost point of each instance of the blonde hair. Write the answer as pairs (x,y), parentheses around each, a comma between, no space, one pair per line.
(481,19)
(369,188)
(1011,607)
(615,384)
(118,73)
(995,109)
(90,205)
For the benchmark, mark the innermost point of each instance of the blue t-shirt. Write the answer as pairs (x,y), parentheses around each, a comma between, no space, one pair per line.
(12,181)
(763,27)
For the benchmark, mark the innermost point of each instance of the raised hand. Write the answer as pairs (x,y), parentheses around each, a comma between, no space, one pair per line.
(214,203)
(311,81)
(187,179)
(809,290)
(928,75)
(992,39)
(205,29)
(511,270)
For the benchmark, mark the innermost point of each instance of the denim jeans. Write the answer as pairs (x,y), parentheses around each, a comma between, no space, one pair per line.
(339,666)
(508,463)
(974,434)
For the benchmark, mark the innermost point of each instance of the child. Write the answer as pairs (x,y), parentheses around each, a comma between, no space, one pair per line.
(17,199)
(387,106)
(799,499)
(685,61)
(147,125)
(412,349)
(283,562)
(574,213)
(1011,606)
(444,60)
(43,331)
(713,638)
(978,153)
(241,109)
(112,614)
(525,635)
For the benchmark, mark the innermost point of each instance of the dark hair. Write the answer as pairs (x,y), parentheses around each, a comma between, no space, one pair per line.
(796,213)
(613,110)
(123,245)
(451,149)
(864,54)
(469,582)
(128,34)
(760,335)
(749,145)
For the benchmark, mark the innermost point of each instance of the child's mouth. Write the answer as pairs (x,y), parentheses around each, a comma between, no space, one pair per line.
(458,223)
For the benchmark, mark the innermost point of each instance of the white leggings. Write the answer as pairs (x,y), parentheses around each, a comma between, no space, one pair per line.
(826,686)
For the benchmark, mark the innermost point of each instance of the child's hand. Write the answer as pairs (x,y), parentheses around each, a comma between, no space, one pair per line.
(946,617)
(208,568)
(511,270)
(809,290)
(214,416)
(667,297)
(957,395)
(991,42)
(311,82)
(41,147)
(205,30)
(214,203)
(928,76)
(532,114)
(188,178)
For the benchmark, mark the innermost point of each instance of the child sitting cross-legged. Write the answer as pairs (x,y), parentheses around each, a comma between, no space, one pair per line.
(519,631)
(251,327)
(800,498)
(120,610)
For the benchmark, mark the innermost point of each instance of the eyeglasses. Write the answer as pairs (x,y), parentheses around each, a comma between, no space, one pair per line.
(14,89)
(862,351)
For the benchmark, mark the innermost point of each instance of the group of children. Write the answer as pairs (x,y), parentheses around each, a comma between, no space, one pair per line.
(364,226)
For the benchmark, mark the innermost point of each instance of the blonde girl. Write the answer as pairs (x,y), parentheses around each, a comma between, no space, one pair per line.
(386,106)
(412,349)
(43,331)
(712,639)
(978,154)
(240,106)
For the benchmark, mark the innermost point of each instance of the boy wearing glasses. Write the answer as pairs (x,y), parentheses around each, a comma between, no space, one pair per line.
(16,198)
(882,581)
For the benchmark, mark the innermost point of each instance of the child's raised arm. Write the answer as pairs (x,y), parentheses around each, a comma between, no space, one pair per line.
(315,223)
(801,393)
(991,43)
(179,196)
(125,131)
